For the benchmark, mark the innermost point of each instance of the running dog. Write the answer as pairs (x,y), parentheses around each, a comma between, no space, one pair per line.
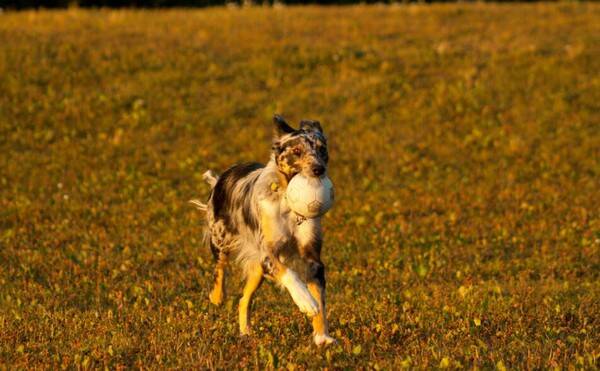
(248,219)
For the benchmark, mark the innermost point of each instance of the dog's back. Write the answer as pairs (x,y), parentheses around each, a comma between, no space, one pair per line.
(231,210)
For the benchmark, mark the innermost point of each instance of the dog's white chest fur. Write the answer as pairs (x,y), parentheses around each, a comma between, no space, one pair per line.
(294,226)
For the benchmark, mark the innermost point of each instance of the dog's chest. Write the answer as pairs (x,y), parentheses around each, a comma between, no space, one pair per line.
(291,229)
(289,223)
(299,231)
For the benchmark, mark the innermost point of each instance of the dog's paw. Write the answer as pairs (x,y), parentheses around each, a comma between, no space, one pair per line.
(216,297)
(245,332)
(323,339)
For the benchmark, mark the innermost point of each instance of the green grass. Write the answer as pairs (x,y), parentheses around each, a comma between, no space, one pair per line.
(465,150)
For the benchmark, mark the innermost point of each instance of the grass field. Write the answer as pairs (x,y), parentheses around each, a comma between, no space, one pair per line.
(464,145)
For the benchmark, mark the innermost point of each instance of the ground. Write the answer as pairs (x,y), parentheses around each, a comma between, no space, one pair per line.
(464,146)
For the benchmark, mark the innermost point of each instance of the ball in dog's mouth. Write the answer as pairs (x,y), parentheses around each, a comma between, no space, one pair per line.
(310,197)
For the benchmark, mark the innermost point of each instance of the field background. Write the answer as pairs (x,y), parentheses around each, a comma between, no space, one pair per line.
(464,145)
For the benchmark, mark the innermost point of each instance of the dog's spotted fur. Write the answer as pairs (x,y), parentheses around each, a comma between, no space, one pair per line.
(248,218)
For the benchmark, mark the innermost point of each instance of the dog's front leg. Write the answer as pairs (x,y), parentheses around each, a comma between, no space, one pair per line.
(273,235)
(289,279)
(308,236)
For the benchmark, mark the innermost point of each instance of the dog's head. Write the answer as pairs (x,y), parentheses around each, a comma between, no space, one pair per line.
(300,151)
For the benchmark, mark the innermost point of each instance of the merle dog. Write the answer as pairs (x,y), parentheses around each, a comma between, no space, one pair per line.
(248,218)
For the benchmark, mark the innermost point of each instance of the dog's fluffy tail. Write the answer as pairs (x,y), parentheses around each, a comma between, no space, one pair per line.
(199,205)
(211,179)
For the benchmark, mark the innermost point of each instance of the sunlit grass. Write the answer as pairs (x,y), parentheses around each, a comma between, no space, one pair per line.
(464,145)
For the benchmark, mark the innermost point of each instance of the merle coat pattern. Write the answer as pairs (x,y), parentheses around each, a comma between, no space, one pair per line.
(248,219)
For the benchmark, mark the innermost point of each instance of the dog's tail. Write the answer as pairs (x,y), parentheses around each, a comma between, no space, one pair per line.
(199,205)
(211,179)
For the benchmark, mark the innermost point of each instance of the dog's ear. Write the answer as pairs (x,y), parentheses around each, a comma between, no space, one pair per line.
(282,127)
(311,125)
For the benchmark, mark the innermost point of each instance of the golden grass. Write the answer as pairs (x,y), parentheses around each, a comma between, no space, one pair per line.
(465,152)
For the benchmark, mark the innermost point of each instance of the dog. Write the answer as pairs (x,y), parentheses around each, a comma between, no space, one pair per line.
(248,218)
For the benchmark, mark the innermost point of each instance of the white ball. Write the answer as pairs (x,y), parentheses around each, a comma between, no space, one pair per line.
(310,197)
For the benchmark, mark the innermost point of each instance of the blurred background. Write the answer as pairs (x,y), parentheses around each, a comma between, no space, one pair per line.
(464,147)
(20,4)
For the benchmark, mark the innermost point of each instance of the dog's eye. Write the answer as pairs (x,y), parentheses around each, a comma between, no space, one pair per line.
(297,151)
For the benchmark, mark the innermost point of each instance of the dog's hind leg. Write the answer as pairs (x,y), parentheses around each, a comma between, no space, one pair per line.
(217,295)
(253,280)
